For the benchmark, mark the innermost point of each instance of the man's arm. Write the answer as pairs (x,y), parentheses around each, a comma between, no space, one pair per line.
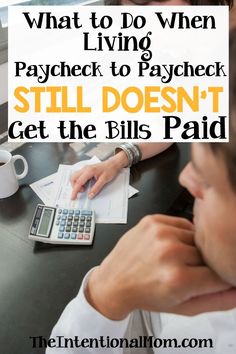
(156,267)
(86,327)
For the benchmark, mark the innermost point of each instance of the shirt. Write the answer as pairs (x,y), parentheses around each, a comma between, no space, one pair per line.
(81,323)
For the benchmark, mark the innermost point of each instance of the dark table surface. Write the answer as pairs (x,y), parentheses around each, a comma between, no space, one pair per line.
(38,280)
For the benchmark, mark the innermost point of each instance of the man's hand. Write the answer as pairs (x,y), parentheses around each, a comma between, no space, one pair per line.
(156,267)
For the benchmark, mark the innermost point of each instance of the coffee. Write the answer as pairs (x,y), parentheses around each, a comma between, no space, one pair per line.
(2,163)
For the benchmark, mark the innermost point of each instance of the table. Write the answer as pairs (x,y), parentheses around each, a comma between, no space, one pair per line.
(38,280)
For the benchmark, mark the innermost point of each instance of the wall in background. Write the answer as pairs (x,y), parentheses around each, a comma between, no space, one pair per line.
(3,83)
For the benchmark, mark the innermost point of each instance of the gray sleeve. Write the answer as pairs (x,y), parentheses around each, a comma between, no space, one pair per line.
(140,325)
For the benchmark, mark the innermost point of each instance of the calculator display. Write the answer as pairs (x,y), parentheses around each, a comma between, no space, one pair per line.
(46,221)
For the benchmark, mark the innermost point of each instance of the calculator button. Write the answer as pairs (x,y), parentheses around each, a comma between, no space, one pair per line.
(64,217)
(80,236)
(59,211)
(82,218)
(89,218)
(59,217)
(81,229)
(75,223)
(68,229)
(60,235)
(73,235)
(70,218)
(86,212)
(87,229)
(86,236)
(77,212)
(67,235)
(74,229)
(63,222)
(57,222)
(81,224)
(88,224)
(76,218)
(65,211)
(62,229)
(71,212)
(69,223)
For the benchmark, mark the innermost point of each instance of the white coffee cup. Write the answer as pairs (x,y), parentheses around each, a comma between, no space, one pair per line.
(8,176)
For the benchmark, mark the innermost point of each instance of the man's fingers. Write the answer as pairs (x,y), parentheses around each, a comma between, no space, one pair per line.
(183,235)
(174,221)
(97,187)
(203,281)
(203,291)
(188,255)
(220,301)
(166,231)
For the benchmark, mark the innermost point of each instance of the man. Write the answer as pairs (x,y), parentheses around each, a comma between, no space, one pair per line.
(170,265)
(167,264)
(232,18)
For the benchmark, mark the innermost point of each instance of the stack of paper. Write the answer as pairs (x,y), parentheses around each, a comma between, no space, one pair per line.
(110,205)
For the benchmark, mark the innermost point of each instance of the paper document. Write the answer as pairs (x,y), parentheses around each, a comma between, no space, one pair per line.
(110,205)
(44,188)
(132,191)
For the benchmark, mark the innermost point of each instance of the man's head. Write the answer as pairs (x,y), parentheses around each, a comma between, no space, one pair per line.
(169,2)
(211,178)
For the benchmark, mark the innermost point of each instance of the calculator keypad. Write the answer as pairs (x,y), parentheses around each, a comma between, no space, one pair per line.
(74,224)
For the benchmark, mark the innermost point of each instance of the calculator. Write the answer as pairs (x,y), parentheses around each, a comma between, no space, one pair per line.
(63,226)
